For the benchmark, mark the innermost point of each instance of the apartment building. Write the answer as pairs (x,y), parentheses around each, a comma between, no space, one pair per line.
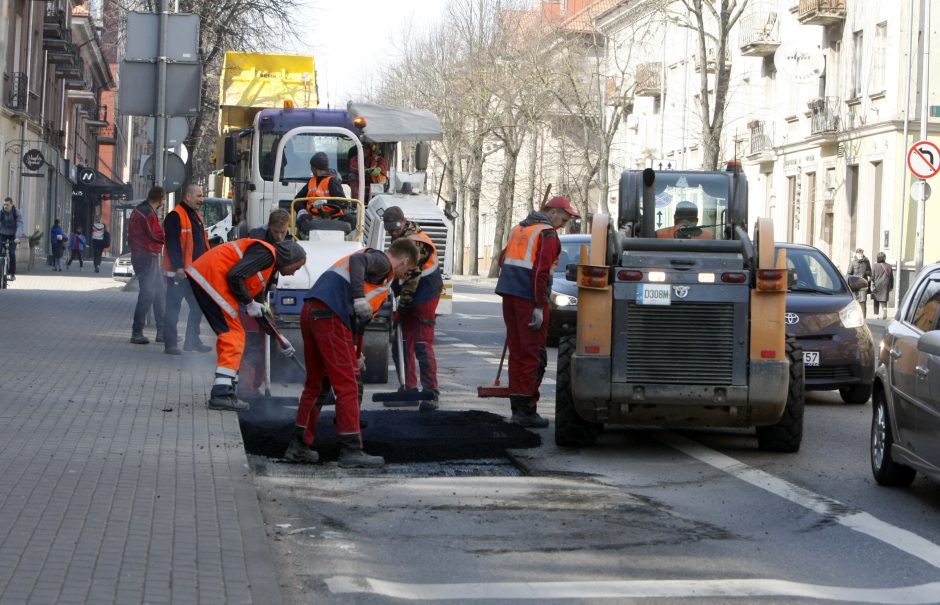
(53,112)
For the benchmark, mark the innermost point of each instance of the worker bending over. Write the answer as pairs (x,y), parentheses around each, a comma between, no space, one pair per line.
(352,290)
(418,295)
(524,283)
(232,274)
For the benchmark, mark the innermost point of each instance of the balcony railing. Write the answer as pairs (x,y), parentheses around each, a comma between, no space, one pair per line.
(17,92)
(106,135)
(97,114)
(821,12)
(762,138)
(649,79)
(53,24)
(710,62)
(759,35)
(825,115)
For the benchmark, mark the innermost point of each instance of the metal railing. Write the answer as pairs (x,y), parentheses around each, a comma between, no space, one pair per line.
(648,78)
(17,92)
(759,29)
(825,115)
(833,8)
(761,139)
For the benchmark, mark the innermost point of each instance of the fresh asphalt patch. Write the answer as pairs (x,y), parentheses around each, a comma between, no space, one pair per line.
(401,436)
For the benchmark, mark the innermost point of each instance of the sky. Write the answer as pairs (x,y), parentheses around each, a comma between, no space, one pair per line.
(351,40)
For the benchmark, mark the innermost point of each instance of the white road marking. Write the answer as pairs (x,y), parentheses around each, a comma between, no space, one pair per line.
(465,345)
(446,338)
(461,296)
(474,316)
(636,589)
(859,521)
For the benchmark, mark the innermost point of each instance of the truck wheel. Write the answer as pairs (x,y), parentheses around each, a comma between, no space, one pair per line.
(883,467)
(787,434)
(375,348)
(570,429)
(856,394)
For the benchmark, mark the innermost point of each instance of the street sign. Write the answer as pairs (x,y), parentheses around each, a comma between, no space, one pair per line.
(86,176)
(923,158)
(661,164)
(176,130)
(175,172)
(143,30)
(33,159)
(137,94)
(920,191)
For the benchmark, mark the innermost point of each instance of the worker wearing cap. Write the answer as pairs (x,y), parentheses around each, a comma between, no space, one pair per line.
(418,295)
(232,274)
(685,224)
(524,283)
(352,290)
(322,184)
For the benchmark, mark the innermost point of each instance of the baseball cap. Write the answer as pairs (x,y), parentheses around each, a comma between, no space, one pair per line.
(393,217)
(320,161)
(561,201)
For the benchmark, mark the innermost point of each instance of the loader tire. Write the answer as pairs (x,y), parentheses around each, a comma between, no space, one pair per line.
(787,434)
(375,348)
(571,430)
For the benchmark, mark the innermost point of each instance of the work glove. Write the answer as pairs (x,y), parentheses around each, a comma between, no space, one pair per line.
(288,350)
(375,172)
(536,321)
(254,309)
(363,309)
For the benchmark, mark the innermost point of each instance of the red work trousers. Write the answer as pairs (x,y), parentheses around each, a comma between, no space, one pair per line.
(527,354)
(328,349)
(417,333)
(251,371)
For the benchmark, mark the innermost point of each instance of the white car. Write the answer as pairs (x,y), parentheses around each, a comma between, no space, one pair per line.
(123,269)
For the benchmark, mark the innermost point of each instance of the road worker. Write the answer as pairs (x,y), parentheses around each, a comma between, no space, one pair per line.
(322,185)
(376,170)
(352,290)
(685,224)
(232,274)
(524,283)
(418,295)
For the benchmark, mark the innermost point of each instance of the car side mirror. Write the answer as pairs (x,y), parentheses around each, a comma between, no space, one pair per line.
(929,343)
(571,272)
(857,283)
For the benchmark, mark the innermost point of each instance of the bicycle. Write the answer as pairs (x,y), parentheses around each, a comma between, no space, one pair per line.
(3,264)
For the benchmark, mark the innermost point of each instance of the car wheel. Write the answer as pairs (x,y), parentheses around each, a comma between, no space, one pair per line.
(856,394)
(570,429)
(787,434)
(883,467)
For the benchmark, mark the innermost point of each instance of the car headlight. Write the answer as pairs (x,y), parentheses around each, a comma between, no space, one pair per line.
(852,316)
(563,300)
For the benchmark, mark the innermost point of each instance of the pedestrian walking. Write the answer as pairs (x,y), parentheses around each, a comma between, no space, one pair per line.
(100,241)
(145,237)
(527,263)
(232,274)
(419,293)
(882,283)
(861,266)
(58,238)
(351,291)
(77,243)
(185,240)
(12,230)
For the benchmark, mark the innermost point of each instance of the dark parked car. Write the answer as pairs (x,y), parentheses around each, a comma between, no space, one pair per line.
(905,427)
(838,350)
(563,300)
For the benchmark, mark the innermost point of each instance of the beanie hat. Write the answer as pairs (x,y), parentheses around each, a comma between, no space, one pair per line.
(288,252)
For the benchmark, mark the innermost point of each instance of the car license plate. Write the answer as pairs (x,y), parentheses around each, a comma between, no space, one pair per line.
(810,358)
(653,294)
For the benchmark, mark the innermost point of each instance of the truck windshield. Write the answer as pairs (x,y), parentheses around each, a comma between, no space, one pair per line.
(214,210)
(297,154)
(701,201)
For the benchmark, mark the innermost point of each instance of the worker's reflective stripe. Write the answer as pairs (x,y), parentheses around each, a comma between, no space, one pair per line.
(341,268)
(224,375)
(241,255)
(430,266)
(212,292)
(527,261)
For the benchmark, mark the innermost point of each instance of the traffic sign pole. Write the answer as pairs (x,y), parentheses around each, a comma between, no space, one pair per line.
(925,79)
(159,143)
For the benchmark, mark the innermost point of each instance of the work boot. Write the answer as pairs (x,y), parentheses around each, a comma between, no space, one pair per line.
(430,404)
(173,351)
(140,339)
(222,397)
(159,337)
(297,451)
(524,415)
(356,458)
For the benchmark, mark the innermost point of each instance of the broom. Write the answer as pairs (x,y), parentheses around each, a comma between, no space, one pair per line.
(496,390)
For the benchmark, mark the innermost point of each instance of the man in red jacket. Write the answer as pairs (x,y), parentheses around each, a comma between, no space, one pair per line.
(524,283)
(145,236)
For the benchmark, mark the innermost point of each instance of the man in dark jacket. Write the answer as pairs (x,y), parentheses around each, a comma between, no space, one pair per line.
(11,231)
(145,237)
(861,266)
(882,283)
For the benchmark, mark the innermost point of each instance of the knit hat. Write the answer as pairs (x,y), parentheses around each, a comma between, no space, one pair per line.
(288,252)
(320,161)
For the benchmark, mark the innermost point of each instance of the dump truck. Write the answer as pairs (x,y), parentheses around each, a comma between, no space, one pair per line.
(681,322)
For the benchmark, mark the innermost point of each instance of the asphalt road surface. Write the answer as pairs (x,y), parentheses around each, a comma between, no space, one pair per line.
(647,516)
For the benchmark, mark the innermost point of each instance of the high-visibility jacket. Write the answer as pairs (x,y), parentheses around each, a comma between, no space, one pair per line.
(186,239)
(515,278)
(333,288)
(431,282)
(210,272)
(318,208)
(670,232)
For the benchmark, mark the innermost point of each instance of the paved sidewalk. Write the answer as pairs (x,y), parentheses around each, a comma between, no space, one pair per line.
(117,484)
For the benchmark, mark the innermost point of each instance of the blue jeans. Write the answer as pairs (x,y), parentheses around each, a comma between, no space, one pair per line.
(175,293)
(147,270)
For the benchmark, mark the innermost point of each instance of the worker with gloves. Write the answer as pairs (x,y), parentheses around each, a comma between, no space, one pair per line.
(524,282)
(322,185)
(352,290)
(374,166)
(418,295)
(232,274)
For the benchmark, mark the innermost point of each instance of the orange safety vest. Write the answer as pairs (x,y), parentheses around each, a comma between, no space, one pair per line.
(186,240)
(515,278)
(375,293)
(670,233)
(211,269)
(319,208)
(430,266)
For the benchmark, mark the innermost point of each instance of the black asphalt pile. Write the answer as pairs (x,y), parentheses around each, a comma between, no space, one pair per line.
(400,435)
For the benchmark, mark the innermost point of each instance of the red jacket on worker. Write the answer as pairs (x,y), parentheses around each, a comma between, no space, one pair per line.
(144,233)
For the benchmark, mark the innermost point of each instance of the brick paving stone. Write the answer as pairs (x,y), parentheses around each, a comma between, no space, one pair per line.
(104,496)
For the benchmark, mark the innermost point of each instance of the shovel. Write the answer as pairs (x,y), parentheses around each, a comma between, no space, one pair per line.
(401,397)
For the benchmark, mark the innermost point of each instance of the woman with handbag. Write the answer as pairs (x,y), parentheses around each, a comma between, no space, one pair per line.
(882,283)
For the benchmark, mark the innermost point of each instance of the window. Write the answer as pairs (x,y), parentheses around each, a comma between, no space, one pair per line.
(879,58)
(857,65)
(925,312)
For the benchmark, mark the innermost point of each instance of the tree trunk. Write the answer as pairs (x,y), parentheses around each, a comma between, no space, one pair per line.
(472,212)
(453,193)
(531,192)
(507,190)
